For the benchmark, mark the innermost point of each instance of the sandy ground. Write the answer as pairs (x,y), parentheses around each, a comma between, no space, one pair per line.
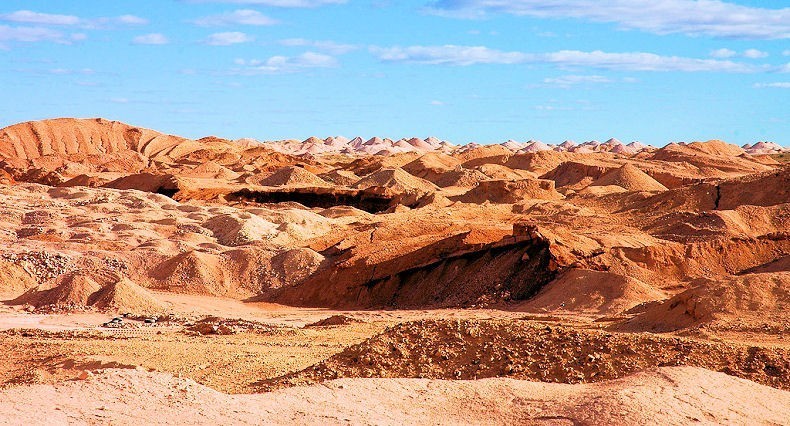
(678,395)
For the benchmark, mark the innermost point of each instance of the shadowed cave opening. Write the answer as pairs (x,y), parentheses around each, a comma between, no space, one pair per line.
(309,197)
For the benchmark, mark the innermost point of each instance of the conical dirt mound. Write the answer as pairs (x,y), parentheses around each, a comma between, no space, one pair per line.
(212,170)
(75,290)
(192,272)
(125,295)
(396,179)
(630,178)
(293,176)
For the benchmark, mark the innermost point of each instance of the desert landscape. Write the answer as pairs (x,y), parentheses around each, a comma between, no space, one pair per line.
(152,278)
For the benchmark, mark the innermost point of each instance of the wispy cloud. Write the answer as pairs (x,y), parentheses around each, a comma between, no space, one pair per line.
(284,64)
(38,18)
(153,38)
(448,55)
(324,45)
(24,34)
(276,3)
(129,19)
(692,17)
(630,61)
(775,85)
(554,108)
(237,17)
(723,53)
(754,54)
(66,71)
(30,17)
(729,53)
(228,38)
(566,81)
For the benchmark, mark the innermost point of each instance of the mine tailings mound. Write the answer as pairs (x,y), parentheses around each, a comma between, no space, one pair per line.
(746,300)
(473,349)
(447,273)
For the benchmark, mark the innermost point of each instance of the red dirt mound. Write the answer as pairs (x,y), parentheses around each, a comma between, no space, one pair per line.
(212,170)
(431,165)
(461,177)
(752,299)
(630,178)
(73,291)
(579,174)
(397,180)
(192,272)
(582,290)
(292,176)
(467,350)
(765,189)
(148,182)
(14,280)
(86,180)
(511,192)
(334,320)
(125,295)
(717,147)
(340,177)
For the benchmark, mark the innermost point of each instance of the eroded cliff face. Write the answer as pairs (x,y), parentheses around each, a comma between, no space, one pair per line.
(448,272)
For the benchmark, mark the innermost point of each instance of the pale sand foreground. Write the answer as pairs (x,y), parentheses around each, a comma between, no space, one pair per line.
(669,395)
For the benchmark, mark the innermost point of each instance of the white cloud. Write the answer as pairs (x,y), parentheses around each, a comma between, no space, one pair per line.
(692,17)
(729,53)
(553,108)
(228,38)
(153,38)
(448,55)
(131,20)
(640,61)
(723,53)
(437,103)
(33,35)
(284,64)
(66,71)
(325,45)
(777,85)
(38,18)
(786,52)
(754,54)
(237,17)
(571,80)
(277,3)
(30,17)
(631,61)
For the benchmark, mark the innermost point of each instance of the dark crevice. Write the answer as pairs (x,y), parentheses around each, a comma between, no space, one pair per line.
(168,192)
(371,203)
(718,198)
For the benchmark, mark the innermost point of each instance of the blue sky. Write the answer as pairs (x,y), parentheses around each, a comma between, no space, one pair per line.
(463,70)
